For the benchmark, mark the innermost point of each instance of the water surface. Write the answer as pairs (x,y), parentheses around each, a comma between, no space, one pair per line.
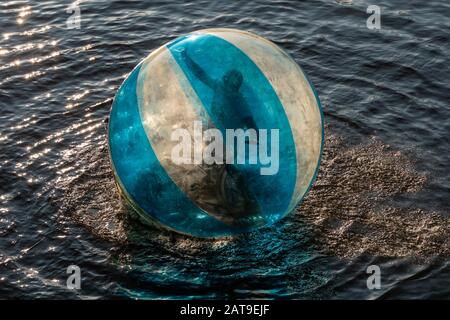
(381,196)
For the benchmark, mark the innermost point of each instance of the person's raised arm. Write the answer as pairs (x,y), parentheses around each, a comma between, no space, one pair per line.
(197,70)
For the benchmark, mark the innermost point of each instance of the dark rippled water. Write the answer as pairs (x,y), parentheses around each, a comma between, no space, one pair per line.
(382,195)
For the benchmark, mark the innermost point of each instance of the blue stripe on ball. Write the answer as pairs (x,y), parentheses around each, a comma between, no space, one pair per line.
(216,56)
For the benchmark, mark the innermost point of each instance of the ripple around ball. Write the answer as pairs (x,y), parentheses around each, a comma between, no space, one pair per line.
(221,79)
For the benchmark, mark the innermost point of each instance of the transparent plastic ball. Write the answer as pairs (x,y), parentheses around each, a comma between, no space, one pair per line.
(216,133)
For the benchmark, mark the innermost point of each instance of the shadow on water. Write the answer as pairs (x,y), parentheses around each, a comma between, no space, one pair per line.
(153,263)
(349,219)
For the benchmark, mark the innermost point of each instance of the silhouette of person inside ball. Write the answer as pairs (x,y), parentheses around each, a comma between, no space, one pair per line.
(228,105)
(230,110)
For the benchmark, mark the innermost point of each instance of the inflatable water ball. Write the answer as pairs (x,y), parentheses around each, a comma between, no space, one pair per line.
(216,133)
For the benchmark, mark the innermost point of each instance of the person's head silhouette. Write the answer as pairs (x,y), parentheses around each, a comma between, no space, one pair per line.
(232,80)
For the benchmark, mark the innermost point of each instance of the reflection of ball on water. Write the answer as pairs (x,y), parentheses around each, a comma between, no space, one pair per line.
(184,102)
